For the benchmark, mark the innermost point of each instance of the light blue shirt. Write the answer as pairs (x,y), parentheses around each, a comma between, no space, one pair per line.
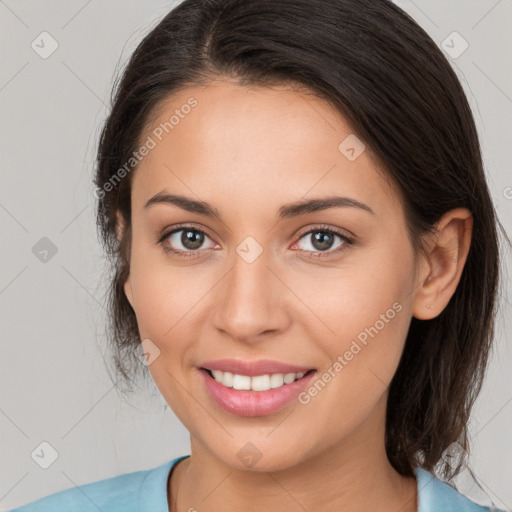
(146,491)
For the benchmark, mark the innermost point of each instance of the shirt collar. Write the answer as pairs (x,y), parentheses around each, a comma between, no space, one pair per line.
(434,495)
(153,492)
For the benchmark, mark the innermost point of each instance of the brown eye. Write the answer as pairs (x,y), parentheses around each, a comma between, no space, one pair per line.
(191,240)
(184,241)
(321,240)
(324,240)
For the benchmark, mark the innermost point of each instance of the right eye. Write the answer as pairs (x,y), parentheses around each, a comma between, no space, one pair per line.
(183,241)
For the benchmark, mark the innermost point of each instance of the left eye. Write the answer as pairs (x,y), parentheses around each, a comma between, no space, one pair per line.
(323,239)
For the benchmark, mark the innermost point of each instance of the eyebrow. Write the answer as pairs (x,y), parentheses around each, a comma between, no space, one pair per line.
(285,212)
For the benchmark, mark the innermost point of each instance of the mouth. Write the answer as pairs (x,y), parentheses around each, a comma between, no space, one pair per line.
(258,394)
(259,383)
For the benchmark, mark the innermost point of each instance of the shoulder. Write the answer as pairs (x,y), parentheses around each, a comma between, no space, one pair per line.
(136,491)
(435,495)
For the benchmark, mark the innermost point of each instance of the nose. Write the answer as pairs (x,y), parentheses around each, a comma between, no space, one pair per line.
(251,301)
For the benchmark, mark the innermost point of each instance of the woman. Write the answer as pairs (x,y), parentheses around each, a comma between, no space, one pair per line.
(305,254)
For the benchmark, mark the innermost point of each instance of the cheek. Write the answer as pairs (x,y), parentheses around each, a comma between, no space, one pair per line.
(164,298)
(345,301)
(362,313)
(362,357)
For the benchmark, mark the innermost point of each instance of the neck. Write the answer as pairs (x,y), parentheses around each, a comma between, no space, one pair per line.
(354,474)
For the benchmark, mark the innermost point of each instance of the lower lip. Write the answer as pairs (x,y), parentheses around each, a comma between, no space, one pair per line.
(254,403)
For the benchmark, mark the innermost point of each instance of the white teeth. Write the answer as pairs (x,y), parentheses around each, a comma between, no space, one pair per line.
(256,383)
(241,382)
(227,379)
(218,375)
(276,380)
(260,383)
(289,378)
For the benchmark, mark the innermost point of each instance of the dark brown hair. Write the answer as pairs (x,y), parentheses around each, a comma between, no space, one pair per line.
(399,94)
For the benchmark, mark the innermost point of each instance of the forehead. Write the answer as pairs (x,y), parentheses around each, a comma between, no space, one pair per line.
(278,142)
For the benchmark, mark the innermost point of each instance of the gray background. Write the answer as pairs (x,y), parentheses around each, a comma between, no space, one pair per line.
(54,385)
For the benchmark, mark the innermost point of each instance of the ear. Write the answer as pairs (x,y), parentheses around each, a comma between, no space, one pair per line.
(120,226)
(128,290)
(442,266)
(120,229)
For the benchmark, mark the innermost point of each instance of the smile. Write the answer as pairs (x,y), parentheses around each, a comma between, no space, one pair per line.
(254,383)
(253,388)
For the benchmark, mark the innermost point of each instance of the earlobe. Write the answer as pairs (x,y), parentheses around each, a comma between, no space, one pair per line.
(128,290)
(445,259)
(120,226)
(120,231)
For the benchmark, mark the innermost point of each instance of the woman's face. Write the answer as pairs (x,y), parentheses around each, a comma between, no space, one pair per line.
(270,288)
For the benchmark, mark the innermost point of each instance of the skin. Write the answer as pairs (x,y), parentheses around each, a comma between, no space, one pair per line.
(247,151)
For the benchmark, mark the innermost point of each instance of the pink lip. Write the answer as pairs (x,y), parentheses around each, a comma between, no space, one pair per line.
(254,403)
(253,368)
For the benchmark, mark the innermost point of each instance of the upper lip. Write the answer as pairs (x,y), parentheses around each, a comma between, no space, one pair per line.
(253,368)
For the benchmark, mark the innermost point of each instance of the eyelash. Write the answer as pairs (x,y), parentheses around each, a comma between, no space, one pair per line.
(193,254)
